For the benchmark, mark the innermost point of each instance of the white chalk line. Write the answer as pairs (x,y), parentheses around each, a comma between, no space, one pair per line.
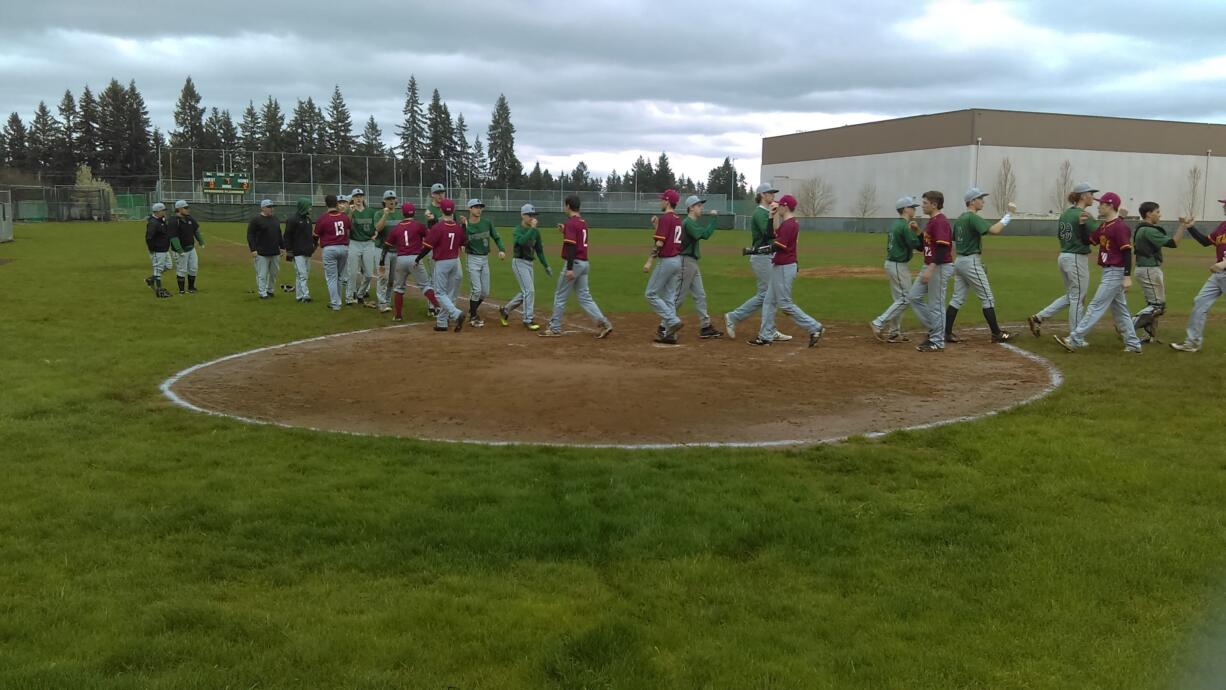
(1055,380)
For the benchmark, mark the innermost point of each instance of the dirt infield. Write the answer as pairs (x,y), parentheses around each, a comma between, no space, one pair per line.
(508,385)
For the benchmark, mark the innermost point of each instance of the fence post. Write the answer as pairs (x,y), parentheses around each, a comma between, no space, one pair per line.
(340,184)
(311,165)
(193,173)
(367,185)
(253,175)
(283,199)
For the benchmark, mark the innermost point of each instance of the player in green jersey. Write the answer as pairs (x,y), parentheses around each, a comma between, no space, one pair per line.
(903,240)
(1074,229)
(969,229)
(1147,242)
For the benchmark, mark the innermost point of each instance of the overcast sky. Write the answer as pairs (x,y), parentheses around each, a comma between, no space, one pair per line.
(605,81)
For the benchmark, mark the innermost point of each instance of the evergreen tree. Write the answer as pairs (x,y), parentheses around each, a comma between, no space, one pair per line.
(43,138)
(580,179)
(210,136)
(250,130)
(272,126)
(372,139)
(665,179)
(112,118)
(189,129)
(139,159)
(338,133)
(300,134)
(438,140)
(227,133)
(505,168)
(547,181)
(613,183)
(641,177)
(86,135)
(66,156)
(463,165)
(724,180)
(15,143)
(4,151)
(412,131)
(481,164)
(534,179)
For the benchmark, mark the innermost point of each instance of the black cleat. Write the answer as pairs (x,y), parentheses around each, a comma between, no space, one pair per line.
(816,337)
(459,323)
(951,338)
(440,329)
(929,346)
(708,332)
(758,342)
(1002,337)
(665,340)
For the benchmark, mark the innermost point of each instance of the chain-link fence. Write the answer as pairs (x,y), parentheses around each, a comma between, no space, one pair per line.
(61,203)
(230,177)
(6,215)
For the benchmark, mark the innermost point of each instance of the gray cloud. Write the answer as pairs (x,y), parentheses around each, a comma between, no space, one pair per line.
(696,79)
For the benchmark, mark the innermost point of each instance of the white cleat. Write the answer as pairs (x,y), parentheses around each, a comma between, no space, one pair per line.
(781,338)
(1185,347)
(729,325)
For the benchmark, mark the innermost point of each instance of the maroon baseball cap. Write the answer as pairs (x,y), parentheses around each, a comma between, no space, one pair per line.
(447,205)
(1110,198)
(789,201)
(671,196)
(1221,201)
(408,209)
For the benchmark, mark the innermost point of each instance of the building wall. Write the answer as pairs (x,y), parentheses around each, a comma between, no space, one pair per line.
(1136,177)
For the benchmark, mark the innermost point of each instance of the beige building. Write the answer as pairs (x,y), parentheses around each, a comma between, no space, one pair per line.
(859,170)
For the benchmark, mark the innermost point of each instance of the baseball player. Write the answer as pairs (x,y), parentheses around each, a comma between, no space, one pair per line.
(332,231)
(1074,229)
(1114,240)
(444,241)
(902,241)
(363,257)
(157,241)
(184,236)
(969,229)
(762,233)
(479,231)
(384,222)
(665,278)
(783,273)
(1147,242)
(526,246)
(403,242)
(575,277)
(300,242)
(433,213)
(264,241)
(928,292)
(1214,287)
(692,234)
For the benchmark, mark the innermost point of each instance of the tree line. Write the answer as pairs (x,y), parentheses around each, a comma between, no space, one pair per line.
(112,134)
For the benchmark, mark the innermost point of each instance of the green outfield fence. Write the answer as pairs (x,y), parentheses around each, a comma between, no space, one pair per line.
(6,215)
(60,203)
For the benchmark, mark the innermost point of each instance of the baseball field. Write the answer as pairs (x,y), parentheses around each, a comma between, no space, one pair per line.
(1078,541)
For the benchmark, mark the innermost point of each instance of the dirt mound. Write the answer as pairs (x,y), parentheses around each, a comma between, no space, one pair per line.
(508,385)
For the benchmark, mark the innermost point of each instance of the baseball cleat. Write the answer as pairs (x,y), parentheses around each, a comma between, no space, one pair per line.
(951,338)
(549,333)
(1185,347)
(504,317)
(1002,337)
(532,326)
(431,312)
(1132,350)
(370,305)
(671,331)
(440,329)
(878,333)
(605,330)
(265,296)
(783,338)
(758,342)
(666,340)
(708,332)
(815,337)
(191,291)
(476,322)
(1066,343)
(459,323)
(929,346)
(898,338)
(384,309)
(182,292)
(351,301)
(1036,325)
(397,319)
(729,325)
(148,282)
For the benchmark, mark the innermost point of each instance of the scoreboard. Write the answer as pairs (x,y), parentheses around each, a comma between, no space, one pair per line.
(226,183)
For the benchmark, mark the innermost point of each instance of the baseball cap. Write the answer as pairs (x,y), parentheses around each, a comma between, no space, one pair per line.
(267,203)
(356,192)
(1109,198)
(694,199)
(973,193)
(389,194)
(475,202)
(767,189)
(1221,201)
(446,205)
(671,196)
(789,201)
(436,187)
(181,203)
(905,202)
(342,197)
(408,209)
(527,210)
(158,207)
(1083,187)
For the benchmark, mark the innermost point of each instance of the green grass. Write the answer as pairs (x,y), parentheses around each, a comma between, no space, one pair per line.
(1073,543)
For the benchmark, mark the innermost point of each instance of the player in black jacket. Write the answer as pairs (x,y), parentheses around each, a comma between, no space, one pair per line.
(157,241)
(300,242)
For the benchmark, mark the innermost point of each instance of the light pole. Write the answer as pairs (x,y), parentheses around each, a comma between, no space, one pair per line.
(731,182)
